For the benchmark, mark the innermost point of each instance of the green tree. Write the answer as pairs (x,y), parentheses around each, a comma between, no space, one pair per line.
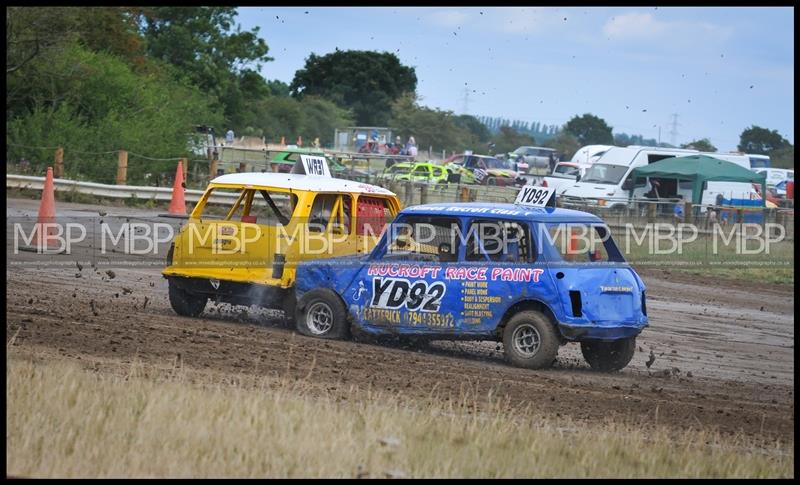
(92,103)
(565,144)
(312,117)
(782,157)
(207,46)
(761,141)
(590,130)
(703,145)
(365,82)
(430,127)
(475,127)
(508,139)
(278,88)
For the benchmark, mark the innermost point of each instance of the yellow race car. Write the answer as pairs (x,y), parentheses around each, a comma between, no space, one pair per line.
(245,236)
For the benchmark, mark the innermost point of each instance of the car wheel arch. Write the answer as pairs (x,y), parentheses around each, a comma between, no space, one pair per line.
(525,305)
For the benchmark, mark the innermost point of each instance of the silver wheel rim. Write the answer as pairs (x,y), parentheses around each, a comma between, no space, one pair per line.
(319,318)
(526,340)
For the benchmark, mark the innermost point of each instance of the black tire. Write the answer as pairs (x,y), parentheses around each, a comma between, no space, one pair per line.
(321,313)
(184,303)
(491,181)
(535,332)
(609,356)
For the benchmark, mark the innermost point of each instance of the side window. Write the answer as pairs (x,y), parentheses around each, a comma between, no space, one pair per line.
(582,243)
(437,171)
(372,215)
(423,238)
(268,207)
(500,241)
(330,212)
(421,170)
(638,183)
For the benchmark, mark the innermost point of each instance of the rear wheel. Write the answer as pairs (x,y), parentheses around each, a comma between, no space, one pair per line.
(184,303)
(491,181)
(609,356)
(530,340)
(321,313)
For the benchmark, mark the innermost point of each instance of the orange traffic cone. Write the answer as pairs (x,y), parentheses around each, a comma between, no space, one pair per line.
(178,204)
(45,224)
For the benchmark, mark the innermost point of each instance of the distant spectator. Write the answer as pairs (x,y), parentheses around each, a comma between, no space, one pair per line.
(316,142)
(229,137)
(411,147)
(678,209)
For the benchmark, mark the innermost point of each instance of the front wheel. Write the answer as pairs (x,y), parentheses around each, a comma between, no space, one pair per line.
(184,303)
(321,313)
(609,356)
(530,340)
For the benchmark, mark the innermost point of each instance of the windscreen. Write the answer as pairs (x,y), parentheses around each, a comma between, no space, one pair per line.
(605,174)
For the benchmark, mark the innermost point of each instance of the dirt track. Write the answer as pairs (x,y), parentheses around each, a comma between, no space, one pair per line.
(723,352)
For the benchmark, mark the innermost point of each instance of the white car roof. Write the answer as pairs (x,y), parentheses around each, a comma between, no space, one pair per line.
(315,183)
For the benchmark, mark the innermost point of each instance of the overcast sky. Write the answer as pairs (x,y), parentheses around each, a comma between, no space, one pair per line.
(721,69)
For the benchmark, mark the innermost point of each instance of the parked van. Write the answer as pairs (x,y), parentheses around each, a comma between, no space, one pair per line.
(776,175)
(759,161)
(589,154)
(608,181)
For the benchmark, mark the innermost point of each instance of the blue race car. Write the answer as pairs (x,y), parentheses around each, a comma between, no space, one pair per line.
(528,274)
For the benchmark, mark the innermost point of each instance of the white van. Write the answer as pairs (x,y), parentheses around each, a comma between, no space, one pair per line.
(589,154)
(776,175)
(608,181)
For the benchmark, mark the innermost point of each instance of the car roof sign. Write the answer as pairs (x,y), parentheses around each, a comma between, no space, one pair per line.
(312,165)
(533,196)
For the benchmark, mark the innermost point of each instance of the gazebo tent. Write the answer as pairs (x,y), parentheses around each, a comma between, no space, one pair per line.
(700,169)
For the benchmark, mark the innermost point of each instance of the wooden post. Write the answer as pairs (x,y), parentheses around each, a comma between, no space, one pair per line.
(122,168)
(688,216)
(185,170)
(423,194)
(408,194)
(464,194)
(212,169)
(58,171)
(651,212)
(242,167)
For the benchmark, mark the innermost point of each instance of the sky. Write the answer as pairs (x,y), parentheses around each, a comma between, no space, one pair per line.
(720,69)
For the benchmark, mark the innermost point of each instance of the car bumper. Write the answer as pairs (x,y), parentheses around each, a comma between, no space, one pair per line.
(235,292)
(597,332)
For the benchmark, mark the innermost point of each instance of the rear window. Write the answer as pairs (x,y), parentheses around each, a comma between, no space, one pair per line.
(581,242)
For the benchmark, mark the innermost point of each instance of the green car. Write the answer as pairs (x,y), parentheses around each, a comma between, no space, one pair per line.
(286,159)
(416,172)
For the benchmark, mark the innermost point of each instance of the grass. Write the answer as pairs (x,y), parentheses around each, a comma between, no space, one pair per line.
(140,422)
(730,262)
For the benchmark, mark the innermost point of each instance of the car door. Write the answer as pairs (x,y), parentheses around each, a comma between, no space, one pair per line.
(502,268)
(401,288)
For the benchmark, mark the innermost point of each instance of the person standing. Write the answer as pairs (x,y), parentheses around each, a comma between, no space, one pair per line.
(411,147)
(229,137)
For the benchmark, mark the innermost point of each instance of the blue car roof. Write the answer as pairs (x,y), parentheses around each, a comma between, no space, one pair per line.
(509,211)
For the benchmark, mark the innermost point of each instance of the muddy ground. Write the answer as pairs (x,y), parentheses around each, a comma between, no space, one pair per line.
(724,351)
